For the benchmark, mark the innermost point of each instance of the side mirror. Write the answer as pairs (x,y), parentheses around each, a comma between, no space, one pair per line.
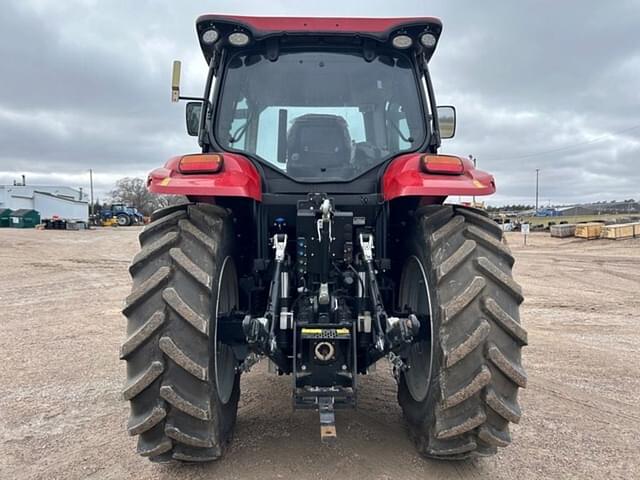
(447,121)
(175,81)
(193,113)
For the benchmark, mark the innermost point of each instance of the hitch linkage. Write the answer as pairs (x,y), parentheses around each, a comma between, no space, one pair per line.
(260,332)
(396,331)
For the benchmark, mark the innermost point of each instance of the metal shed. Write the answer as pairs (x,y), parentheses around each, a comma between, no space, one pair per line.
(24,218)
(5,214)
(49,202)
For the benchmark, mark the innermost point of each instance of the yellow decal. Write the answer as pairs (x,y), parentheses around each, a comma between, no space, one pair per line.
(342,331)
(312,331)
(478,184)
(165,181)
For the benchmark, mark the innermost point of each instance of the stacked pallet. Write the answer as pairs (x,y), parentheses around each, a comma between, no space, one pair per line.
(590,231)
(563,230)
(621,231)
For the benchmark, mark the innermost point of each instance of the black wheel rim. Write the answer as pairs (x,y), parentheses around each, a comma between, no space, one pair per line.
(224,361)
(414,294)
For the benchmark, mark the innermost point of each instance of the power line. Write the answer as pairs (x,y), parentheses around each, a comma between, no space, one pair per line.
(568,147)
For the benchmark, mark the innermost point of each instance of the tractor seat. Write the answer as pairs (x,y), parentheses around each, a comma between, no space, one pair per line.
(317,146)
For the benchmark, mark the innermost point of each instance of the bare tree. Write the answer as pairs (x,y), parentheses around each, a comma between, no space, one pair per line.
(133,192)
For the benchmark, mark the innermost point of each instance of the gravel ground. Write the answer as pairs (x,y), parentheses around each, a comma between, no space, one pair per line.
(61,415)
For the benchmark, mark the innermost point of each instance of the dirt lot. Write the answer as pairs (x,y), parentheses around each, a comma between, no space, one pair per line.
(60,377)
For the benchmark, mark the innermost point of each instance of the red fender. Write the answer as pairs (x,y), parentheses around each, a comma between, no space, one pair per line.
(404,177)
(238,178)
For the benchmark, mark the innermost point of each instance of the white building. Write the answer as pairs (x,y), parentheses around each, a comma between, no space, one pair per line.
(63,202)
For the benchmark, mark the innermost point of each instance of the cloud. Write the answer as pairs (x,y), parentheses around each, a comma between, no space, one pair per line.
(538,85)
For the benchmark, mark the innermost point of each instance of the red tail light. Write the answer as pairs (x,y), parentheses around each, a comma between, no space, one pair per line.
(201,163)
(442,164)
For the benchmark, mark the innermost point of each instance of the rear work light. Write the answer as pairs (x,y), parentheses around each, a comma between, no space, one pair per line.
(239,39)
(209,37)
(442,164)
(428,40)
(402,41)
(202,163)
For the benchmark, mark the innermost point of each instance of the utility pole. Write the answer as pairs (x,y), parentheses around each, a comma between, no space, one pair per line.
(91,186)
(475,163)
(537,184)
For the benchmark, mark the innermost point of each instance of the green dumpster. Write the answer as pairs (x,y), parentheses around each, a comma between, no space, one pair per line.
(24,218)
(5,214)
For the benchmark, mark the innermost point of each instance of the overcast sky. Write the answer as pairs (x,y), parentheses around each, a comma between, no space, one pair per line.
(538,84)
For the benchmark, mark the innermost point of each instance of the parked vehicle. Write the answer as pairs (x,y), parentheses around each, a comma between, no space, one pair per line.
(123,215)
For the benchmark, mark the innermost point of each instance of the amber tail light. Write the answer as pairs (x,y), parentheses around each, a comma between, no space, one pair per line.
(202,163)
(442,164)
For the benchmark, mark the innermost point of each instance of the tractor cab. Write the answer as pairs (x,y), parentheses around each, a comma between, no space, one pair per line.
(318,100)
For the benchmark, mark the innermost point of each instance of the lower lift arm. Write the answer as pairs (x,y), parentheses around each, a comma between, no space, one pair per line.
(260,332)
(392,332)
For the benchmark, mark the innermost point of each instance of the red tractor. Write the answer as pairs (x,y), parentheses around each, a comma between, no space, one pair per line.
(317,237)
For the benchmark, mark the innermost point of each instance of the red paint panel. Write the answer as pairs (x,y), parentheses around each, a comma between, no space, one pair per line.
(404,177)
(238,178)
(262,26)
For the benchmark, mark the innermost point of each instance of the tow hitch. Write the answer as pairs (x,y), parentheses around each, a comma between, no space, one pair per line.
(324,376)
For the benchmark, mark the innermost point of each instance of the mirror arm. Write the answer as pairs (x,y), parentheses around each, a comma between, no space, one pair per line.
(196,99)
(203,138)
(206,132)
(435,140)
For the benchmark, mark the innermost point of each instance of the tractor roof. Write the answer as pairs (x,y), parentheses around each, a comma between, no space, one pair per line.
(379,29)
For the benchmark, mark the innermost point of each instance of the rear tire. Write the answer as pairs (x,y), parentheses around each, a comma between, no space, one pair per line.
(182,275)
(462,393)
(123,220)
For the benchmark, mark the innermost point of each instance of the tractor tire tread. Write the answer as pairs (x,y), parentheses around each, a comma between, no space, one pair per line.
(152,249)
(154,449)
(142,334)
(491,242)
(481,380)
(137,384)
(140,424)
(175,411)
(479,337)
(180,357)
(161,223)
(505,321)
(184,311)
(189,267)
(455,260)
(182,437)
